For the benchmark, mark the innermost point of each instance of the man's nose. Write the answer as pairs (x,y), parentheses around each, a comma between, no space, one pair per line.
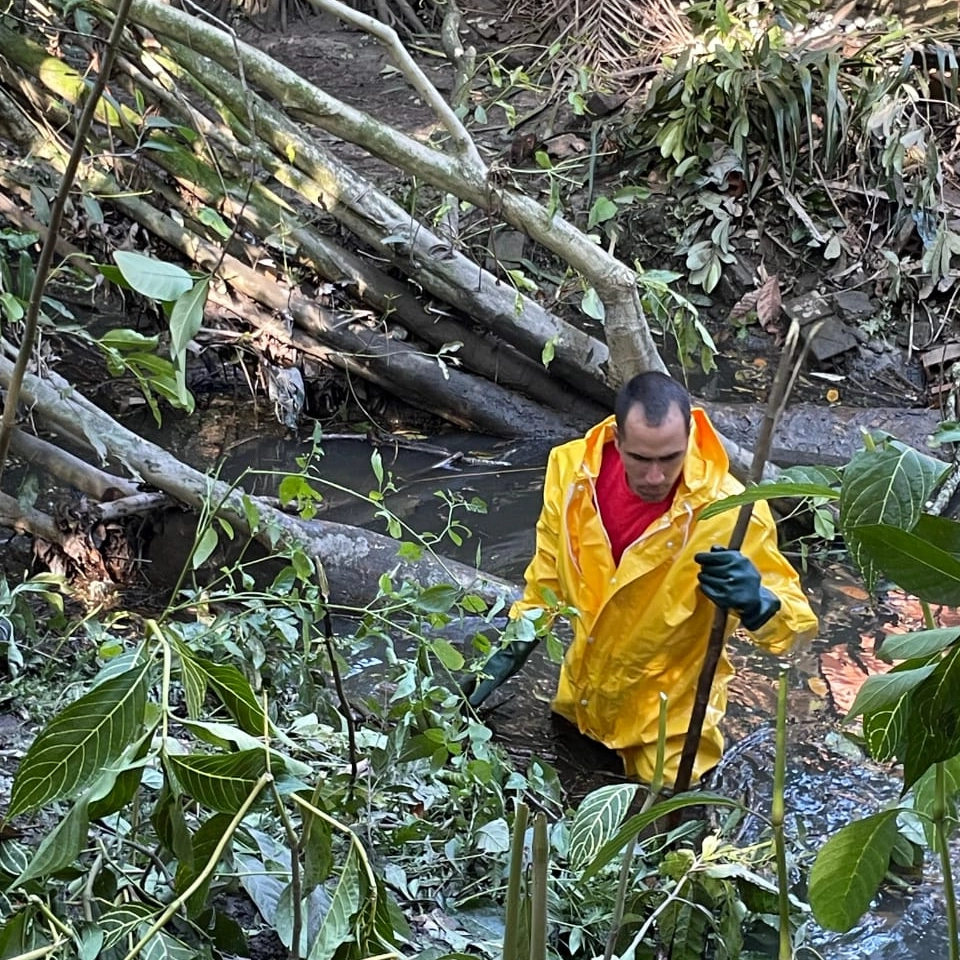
(654,473)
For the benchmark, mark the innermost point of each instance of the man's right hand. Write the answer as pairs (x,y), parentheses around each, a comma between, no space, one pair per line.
(497,670)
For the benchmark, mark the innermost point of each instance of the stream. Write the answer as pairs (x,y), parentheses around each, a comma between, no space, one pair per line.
(830,782)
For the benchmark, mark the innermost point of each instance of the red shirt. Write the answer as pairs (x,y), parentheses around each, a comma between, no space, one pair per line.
(625,516)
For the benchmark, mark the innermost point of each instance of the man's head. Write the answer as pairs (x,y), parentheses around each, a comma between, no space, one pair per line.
(653,426)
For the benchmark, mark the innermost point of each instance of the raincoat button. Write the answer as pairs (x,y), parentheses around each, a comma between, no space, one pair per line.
(613,579)
(583,703)
(670,544)
(589,639)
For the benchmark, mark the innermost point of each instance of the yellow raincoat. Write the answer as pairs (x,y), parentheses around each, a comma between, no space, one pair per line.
(643,626)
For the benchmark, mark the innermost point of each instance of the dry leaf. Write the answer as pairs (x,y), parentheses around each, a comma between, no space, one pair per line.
(818,686)
(746,304)
(833,396)
(768,304)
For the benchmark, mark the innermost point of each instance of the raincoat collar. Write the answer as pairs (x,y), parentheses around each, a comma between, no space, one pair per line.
(704,467)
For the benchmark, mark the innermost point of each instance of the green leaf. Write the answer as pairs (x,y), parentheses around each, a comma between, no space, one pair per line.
(848,870)
(933,724)
(221,782)
(883,730)
(597,819)
(61,847)
(887,689)
(916,646)
(592,305)
(205,546)
(941,532)
(913,564)
(163,946)
(186,318)
(924,796)
(636,823)
(119,923)
(236,694)
(447,654)
(887,485)
(210,218)
(81,740)
(603,209)
(439,598)
(205,842)
(768,491)
(152,278)
(338,924)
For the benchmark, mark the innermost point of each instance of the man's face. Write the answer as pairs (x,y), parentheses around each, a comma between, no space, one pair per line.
(652,456)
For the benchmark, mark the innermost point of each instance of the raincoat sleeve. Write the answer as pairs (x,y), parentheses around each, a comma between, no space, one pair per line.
(794,621)
(541,573)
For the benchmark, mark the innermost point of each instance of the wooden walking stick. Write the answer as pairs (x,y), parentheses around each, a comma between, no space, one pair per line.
(783,381)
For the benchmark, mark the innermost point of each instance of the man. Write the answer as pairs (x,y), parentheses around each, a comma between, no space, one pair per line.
(619,540)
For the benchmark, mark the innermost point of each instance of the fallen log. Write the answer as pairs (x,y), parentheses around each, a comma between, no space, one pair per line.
(350,561)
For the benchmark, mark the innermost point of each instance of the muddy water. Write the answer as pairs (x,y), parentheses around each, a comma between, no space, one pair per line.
(829,781)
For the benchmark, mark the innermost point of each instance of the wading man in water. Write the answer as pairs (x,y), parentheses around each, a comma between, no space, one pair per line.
(619,540)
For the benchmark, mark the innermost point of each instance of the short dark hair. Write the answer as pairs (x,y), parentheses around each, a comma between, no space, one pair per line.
(656,392)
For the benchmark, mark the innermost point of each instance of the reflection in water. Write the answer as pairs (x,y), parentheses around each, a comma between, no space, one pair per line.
(830,783)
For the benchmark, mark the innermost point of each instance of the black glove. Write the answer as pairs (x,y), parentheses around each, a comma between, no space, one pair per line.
(497,670)
(732,582)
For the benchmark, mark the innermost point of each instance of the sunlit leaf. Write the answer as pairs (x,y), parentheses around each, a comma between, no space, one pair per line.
(597,819)
(768,491)
(81,740)
(439,598)
(205,546)
(186,318)
(848,870)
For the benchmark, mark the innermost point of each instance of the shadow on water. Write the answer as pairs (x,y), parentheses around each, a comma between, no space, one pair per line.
(830,782)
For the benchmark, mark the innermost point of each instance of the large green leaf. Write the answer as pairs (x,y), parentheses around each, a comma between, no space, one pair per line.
(59,848)
(153,278)
(883,730)
(636,823)
(887,485)
(219,782)
(915,646)
(933,725)
(236,694)
(885,690)
(941,532)
(913,564)
(597,819)
(81,740)
(849,868)
(339,923)
(121,922)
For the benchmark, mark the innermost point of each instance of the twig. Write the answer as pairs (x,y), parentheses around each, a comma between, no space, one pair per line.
(463,143)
